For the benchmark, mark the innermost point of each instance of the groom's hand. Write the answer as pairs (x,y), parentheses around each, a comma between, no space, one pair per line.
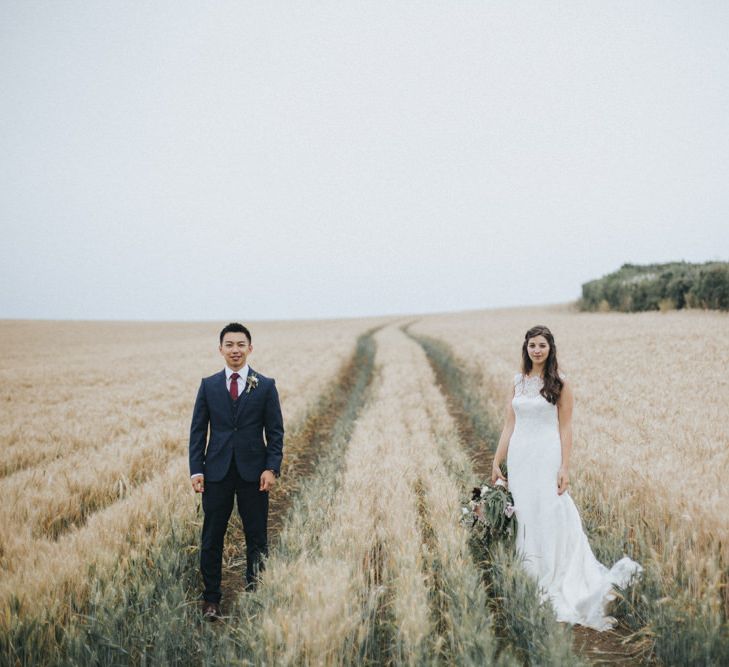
(267,480)
(198,483)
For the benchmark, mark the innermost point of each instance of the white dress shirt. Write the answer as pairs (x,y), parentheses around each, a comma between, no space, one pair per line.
(243,373)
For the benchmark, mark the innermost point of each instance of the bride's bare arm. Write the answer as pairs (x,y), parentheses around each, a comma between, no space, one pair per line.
(503,447)
(564,410)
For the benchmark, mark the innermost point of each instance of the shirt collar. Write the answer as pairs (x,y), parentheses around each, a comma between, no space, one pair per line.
(243,372)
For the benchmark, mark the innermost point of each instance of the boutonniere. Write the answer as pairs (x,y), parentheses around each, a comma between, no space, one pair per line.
(251,383)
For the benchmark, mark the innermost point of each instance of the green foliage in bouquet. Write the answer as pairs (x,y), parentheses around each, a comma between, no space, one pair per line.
(490,513)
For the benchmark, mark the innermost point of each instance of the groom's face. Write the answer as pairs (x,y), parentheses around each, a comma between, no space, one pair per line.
(235,349)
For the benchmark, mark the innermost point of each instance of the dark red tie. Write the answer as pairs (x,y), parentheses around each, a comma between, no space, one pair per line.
(234,386)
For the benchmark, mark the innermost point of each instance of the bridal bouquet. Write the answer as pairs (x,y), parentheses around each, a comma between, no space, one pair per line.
(490,512)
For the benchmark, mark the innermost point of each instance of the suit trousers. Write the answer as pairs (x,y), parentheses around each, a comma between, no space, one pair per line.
(217,502)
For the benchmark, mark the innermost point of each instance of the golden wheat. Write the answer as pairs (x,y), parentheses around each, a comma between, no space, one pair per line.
(122,396)
(651,429)
(94,464)
(371,566)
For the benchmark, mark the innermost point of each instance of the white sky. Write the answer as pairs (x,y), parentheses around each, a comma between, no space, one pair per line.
(217,160)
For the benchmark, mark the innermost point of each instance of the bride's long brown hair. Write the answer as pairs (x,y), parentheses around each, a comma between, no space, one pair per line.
(552,383)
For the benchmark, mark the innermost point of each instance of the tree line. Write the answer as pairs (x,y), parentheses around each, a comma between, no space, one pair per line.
(675,285)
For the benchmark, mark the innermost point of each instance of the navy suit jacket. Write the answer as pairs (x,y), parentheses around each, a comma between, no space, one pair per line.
(236,429)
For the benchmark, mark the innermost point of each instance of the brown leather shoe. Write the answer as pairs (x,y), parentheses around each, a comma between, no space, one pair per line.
(211,611)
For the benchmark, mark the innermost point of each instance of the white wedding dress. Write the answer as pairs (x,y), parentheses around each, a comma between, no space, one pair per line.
(550,537)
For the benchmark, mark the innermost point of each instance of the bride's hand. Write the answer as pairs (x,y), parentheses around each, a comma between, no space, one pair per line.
(496,473)
(563,480)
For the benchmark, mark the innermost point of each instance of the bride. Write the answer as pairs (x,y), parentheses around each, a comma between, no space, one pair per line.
(537,436)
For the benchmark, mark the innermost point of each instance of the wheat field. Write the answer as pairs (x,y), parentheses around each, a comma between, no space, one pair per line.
(94,435)
(370,565)
(651,425)
(651,436)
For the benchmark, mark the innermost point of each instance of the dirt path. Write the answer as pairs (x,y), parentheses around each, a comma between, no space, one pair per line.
(304,447)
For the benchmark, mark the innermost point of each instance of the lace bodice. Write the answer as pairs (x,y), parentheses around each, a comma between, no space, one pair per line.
(529,386)
(534,413)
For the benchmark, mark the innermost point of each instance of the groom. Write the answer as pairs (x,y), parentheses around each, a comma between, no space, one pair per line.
(237,405)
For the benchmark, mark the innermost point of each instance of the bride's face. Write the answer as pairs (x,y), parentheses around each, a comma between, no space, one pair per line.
(538,349)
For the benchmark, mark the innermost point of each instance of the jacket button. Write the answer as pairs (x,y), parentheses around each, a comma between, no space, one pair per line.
(235,428)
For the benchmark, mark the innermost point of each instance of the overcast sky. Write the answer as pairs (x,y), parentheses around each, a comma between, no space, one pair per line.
(274,160)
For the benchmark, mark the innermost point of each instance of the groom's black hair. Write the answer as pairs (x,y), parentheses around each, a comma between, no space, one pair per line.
(237,328)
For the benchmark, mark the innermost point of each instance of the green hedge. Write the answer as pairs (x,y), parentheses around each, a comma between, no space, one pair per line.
(634,288)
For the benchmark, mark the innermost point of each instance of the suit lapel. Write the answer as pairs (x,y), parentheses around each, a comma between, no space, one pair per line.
(221,389)
(243,398)
(219,385)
